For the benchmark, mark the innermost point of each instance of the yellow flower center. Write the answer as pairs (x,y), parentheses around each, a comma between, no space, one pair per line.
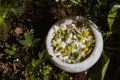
(85,49)
(85,33)
(88,43)
(69,48)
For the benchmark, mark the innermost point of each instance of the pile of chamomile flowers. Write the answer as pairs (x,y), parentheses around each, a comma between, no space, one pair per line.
(73,41)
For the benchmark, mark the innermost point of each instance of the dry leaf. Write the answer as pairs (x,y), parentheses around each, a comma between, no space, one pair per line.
(18,31)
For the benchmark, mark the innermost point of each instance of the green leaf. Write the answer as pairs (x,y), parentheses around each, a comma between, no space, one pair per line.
(25,43)
(105,69)
(4,28)
(40,55)
(33,77)
(35,42)
(43,56)
(89,78)
(111,17)
(29,37)
(1,19)
(7,45)
(97,72)
(29,40)
(34,62)
(46,77)
(10,52)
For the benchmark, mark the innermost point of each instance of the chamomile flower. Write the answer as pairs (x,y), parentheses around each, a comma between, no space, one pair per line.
(54,42)
(71,42)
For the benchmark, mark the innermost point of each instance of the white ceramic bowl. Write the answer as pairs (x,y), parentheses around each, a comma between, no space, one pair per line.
(88,62)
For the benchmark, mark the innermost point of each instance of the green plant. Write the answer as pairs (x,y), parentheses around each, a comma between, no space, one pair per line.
(11,50)
(63,76)
(111,18)
(30,41)
(43,57)
(8,10)
(98,71)
(40,67)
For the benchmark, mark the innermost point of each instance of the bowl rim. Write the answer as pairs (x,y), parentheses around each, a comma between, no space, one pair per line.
(85,64)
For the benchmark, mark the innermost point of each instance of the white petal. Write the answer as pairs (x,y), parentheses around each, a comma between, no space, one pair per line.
(68,60)
(65,58)
(73,25)
(56,28)
(63,44)
(83,54)
(68,22)
(68,40)
(63,27)
(59,40)
(57,54)
(71,35)
(74,36)
(74,50)
(82,45)
(60,58)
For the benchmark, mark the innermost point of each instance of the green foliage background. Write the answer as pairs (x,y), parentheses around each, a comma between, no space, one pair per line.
(25,50)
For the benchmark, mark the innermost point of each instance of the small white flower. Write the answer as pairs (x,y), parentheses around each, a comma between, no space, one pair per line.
(54,42)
